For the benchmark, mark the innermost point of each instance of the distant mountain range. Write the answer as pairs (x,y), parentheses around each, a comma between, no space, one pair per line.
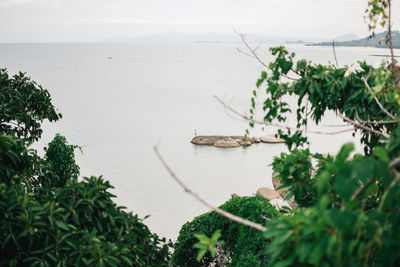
(377,41)
(349,39)
(174,37)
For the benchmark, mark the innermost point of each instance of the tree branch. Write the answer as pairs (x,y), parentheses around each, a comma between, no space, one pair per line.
(334,52)
(254,54)
(361,189)
(274,124)
(394,163)
(226,214)
(358,125)
(376,99)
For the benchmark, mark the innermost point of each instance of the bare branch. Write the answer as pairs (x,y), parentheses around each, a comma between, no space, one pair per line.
(358,125)
(376,99)
(265,218)
(379,122)
(334,52)
(226,214)
(393,65)
(244,53)
(246,118)
(338,125)
(254,54)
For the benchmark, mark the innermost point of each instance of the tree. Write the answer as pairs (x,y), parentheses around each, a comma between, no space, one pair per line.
(349,206)
(48,217)
(23,106)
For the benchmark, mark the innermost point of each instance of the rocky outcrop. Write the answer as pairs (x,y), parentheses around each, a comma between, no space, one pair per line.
(268,193)
(271,139)
(227,142)
(283,192)
(273,197)
(232,141)
(212,139)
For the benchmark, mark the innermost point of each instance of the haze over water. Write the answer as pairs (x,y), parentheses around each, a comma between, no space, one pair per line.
(119,100)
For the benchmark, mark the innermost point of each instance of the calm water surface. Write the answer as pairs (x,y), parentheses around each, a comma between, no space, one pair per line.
(118,108)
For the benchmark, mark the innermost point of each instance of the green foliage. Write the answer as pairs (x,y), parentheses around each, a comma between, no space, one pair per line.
(243,246)
(23,106)
(377,13)
(348,207)
(58,166)
(329,88)
(48,217)
(293,170)
(353,222)
(208,244)
(15,159)
(74,224)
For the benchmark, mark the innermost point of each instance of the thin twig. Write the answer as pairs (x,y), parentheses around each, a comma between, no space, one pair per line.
(226,214)
(254,54)
(376,99)
(265,218)
(338,125)
(379,122)
(361,189)
(394,68)
(390,35)
(334,52)
(244,53)
(246,118)
(358,125)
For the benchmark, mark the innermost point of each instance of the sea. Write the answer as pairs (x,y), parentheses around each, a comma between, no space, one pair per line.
(120,100)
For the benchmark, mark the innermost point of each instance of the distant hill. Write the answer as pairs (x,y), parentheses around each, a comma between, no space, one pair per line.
(346,37)
(174,37)
(377,41)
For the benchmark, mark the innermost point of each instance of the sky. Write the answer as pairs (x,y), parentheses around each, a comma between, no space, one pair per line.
(96,20)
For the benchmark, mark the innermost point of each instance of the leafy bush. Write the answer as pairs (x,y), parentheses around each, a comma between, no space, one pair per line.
(243,246)
(58,165)
(293,170)
(75,224)
(48,217)
(349,207)
(24,105)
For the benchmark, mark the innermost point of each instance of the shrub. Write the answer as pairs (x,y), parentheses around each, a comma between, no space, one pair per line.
(24,106)
(75,224)
(243,246)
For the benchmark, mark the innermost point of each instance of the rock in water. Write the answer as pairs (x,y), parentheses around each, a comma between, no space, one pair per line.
(227,142)
(212,139)
(271,139)
(268,193)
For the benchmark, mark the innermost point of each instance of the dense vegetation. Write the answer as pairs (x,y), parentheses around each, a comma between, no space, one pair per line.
(48,217)
(348,204)
(348,210)
(242,246)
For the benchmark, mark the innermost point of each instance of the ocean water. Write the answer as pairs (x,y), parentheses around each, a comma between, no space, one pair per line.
(119,100)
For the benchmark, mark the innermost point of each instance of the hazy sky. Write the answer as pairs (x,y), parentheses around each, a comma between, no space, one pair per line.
(95,20)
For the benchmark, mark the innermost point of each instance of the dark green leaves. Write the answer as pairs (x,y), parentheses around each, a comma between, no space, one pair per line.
(24,105)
